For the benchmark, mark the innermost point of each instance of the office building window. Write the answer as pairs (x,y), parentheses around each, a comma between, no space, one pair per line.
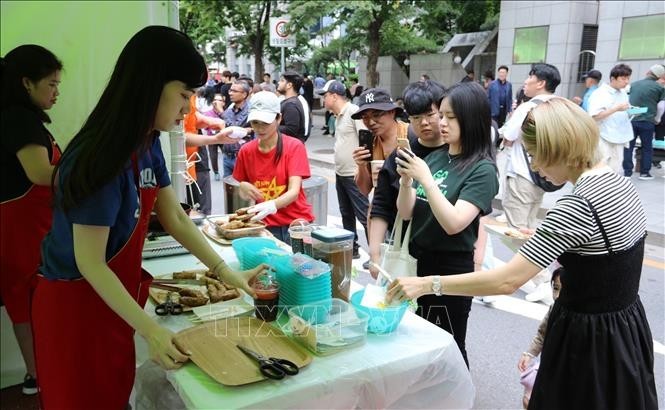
(530,45)
(642,38)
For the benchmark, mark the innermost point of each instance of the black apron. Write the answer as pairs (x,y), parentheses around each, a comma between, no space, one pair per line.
(598,349)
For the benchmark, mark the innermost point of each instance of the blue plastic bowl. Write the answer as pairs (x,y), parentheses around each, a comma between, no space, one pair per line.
(383,320)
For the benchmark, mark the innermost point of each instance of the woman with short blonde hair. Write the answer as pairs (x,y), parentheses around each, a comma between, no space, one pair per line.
(598,352)
(564,135)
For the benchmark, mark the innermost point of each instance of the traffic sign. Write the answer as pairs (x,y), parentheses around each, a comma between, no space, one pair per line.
(279,37)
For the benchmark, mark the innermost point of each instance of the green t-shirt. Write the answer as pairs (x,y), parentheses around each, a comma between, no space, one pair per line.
(646,93)
(477,184)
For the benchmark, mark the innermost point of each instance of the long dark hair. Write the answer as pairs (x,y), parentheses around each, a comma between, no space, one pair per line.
(27,61)
(123,120)
(472,109)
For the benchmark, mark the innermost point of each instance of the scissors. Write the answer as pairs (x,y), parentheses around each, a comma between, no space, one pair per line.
(169,307)
(271,367)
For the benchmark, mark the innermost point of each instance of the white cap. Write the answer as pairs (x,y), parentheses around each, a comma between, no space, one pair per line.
(264,107)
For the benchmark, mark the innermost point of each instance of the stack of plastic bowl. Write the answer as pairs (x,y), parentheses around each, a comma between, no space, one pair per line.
(314,294)
(381,320)
(251,251)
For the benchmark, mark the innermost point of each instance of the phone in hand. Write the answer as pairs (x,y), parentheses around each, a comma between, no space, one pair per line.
(403,143)
(366,140)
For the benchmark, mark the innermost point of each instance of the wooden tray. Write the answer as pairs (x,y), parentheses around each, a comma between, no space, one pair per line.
(235,233)
(159,295)
(213,347)
(211,232)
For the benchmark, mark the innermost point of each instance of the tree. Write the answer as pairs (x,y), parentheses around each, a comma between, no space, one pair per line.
(363,19)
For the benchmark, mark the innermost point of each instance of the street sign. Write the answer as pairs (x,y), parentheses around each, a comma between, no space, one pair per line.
(278,34)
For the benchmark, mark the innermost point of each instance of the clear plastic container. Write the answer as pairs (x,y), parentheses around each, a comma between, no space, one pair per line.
(335,246)
(328,328)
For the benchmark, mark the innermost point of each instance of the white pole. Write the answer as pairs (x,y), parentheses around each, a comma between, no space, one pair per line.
(283,59)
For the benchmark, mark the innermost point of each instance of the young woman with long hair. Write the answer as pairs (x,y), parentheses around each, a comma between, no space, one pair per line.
(454,188)
(89,297)
(271,168)
(30,80)
(598,353)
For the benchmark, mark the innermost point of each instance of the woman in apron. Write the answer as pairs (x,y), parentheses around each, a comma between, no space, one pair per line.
(30,80)
(598,349)
(90,294)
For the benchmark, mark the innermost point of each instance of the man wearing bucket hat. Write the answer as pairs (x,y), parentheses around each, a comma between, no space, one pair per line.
(379,114)
(271,168)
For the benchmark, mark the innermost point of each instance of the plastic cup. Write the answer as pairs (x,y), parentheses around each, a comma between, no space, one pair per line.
(266,301)
(298,231)
(376,166)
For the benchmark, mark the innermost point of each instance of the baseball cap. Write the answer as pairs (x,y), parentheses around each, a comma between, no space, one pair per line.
(333,86)
(375,99)
(264,107)
(595,74)
(658,70)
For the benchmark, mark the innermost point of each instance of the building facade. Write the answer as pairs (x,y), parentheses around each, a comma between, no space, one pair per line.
(577,36)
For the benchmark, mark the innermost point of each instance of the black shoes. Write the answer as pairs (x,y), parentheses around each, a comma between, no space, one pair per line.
(29,385)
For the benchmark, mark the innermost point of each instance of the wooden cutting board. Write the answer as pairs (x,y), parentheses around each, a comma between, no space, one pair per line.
(213,347)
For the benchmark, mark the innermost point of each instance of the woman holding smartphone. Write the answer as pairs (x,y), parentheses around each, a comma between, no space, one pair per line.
(453,188)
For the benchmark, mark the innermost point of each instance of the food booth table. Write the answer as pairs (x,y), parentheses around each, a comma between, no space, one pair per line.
(417,366)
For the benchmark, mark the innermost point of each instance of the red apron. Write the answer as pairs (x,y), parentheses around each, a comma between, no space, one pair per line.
(25,221)
(85,351)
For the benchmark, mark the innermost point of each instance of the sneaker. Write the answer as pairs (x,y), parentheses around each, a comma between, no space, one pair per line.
(217,177)
(646,177)
(29,385)
(356,253)
(366,264)
(656,164)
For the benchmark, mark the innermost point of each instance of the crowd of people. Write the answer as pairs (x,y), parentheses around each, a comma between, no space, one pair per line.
(438,176)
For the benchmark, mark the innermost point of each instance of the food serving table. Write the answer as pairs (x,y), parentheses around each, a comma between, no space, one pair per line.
(417,366)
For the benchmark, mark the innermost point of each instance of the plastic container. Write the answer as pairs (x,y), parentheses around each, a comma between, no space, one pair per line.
(249,251)
(335,246)
(327,331)
(381,320)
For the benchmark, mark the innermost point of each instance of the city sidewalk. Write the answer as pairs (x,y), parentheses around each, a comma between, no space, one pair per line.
(320,149)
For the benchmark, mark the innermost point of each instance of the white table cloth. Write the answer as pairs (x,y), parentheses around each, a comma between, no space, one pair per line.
(417,366)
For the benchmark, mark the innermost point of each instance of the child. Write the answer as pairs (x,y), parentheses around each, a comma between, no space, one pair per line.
(526,367)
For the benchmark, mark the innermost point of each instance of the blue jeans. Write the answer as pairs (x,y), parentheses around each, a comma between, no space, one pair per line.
(228,164)
(644,130)
(352,205)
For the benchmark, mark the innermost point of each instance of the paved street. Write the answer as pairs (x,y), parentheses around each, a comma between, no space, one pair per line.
(500,332)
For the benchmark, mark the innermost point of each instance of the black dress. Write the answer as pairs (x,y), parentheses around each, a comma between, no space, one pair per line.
(598,349)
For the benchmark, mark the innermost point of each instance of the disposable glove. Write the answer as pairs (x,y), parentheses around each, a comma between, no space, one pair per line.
(262,210)
(237,132)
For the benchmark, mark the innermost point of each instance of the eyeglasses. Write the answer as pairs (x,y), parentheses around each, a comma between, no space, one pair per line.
(417,119)
(373,115)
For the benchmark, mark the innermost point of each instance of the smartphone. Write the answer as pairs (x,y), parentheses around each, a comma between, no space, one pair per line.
(403,143)
(366,140)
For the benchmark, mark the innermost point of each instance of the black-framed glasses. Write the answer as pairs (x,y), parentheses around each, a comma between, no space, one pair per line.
(373,115)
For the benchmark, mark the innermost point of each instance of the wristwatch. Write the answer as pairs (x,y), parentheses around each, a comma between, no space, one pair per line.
(436,285)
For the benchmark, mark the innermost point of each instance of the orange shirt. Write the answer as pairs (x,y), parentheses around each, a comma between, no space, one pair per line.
(189,124)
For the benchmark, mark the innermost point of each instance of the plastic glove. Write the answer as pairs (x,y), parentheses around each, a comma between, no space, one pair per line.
(237,132)
(262,210)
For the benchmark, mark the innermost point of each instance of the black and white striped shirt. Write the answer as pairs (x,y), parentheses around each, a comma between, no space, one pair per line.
(571,227)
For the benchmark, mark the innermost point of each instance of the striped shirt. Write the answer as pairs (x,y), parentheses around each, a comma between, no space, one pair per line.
(571,227)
